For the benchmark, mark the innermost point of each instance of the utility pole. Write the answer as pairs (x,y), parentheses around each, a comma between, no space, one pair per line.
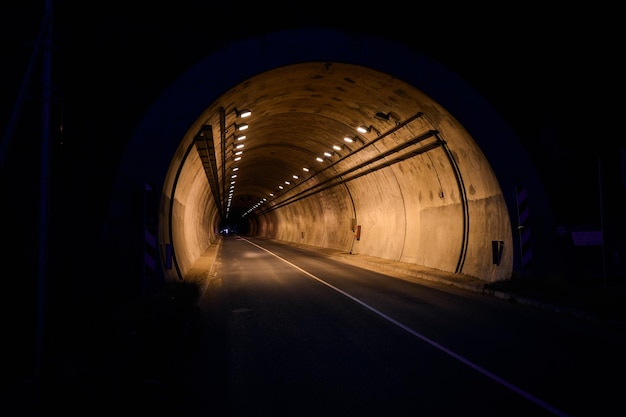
(44,191)
(602,226)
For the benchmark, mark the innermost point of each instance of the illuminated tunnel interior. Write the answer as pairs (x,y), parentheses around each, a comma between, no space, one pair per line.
(432,177)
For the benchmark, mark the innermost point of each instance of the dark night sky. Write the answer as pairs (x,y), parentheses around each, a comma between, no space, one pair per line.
(553,73)
(548,72)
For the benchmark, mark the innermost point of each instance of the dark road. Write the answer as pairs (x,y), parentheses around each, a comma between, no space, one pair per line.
(294,333)
(482,145)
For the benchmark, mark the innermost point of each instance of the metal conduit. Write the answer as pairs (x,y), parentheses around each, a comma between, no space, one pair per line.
(338,178)
(204,146)
(366,145)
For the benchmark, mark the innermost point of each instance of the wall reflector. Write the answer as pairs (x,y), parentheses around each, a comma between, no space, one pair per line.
(496,251)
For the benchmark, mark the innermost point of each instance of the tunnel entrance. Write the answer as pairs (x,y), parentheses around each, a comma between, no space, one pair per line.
(430,185)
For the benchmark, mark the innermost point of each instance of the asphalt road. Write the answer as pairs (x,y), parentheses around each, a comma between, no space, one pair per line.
(290,332)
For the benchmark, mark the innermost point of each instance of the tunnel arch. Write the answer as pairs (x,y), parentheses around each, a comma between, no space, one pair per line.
(467,174)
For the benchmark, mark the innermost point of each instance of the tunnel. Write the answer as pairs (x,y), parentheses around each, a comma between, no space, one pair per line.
(353,143)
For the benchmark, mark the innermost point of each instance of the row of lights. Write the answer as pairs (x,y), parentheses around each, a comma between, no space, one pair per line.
(237,152)
(336,148)
(347,139)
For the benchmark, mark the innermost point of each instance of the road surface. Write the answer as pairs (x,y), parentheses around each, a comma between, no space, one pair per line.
(292,332)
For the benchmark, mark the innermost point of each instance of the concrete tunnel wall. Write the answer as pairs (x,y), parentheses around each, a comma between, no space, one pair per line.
(414,225)
(414,211)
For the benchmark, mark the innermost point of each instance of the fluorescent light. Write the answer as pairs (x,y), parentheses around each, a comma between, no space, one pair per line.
(243,113)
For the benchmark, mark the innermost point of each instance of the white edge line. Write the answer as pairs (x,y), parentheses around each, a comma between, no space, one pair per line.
(431,342)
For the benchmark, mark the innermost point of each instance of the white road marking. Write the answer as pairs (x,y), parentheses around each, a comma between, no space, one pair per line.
(431,342)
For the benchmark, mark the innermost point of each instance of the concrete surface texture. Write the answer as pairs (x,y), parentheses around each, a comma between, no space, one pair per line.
(429,182)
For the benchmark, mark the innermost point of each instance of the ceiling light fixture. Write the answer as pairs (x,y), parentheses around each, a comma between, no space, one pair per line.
(386,116)
(364,129)
(242,126)
(382,116)
(353,139)
(243,113)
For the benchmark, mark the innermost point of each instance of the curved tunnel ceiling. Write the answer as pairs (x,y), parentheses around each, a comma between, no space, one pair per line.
(426,178)
(301,113)
(279,177)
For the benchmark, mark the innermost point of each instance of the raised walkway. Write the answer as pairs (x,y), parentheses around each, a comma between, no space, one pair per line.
(586,301)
